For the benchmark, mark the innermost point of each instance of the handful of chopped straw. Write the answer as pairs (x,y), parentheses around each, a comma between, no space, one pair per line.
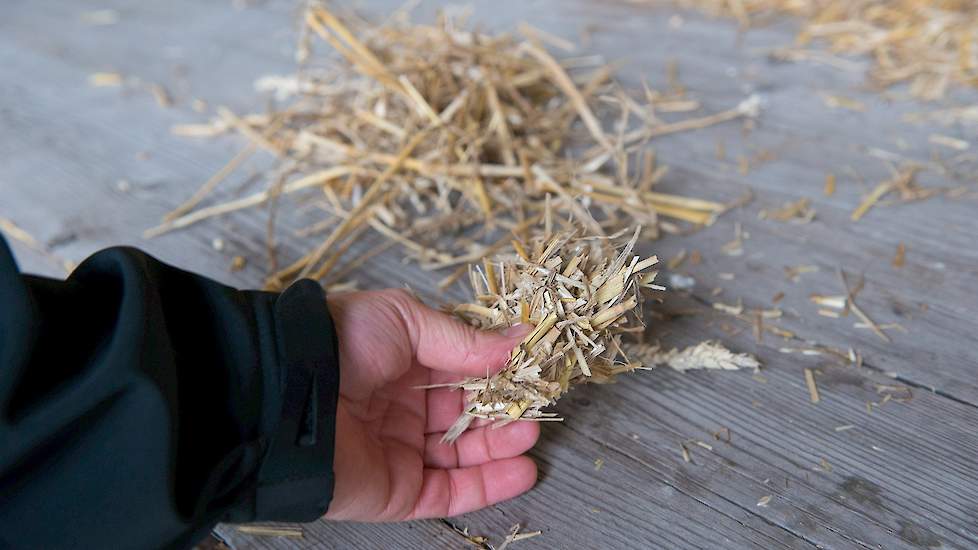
(580,294)
(446,142)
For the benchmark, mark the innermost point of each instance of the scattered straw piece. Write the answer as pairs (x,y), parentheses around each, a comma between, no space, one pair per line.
(161,95)
(794,272)
(723,434)
(676,260)
(736,246)
(729,309)
(902,181)
(482,542)
(829,188)
(812,388)
(834,302)
(875,195)
(834,101)
(799,211)
(16,233)
(851,305)
(899,393)
(263,531)
(477,541)
(100,80)
(950,142)
(900,258)
(516,536)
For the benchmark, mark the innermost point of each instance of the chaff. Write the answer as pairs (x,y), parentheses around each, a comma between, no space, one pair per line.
(705,355)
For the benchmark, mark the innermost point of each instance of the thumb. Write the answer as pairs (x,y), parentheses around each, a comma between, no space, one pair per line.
(442,342)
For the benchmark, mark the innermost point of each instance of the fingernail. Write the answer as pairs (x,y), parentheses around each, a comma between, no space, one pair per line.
(518,329)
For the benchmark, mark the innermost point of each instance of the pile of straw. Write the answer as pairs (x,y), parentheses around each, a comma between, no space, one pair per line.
(448,142)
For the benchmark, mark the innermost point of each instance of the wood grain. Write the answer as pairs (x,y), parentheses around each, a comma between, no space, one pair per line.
(903,476)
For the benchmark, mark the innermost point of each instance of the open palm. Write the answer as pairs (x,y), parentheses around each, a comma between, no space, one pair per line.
(390,464)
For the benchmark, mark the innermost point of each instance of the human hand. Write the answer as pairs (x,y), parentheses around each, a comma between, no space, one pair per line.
(390,463)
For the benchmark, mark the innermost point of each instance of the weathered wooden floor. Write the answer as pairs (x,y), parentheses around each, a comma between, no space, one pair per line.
(82,168)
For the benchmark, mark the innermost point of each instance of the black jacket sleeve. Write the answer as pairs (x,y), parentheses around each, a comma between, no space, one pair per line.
(141,404)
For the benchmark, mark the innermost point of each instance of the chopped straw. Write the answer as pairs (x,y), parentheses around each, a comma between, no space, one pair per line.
(463,132)
(581,294)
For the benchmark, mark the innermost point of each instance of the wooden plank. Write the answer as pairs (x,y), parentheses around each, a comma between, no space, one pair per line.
(809,141)
(903,473)
(889,484)
(903,476)
(625,506)
(924,297)
(785,437)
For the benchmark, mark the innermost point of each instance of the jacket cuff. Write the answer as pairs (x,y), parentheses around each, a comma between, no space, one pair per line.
(295,480)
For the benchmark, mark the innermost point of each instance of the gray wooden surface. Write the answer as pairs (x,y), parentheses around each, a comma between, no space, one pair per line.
(82,168)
